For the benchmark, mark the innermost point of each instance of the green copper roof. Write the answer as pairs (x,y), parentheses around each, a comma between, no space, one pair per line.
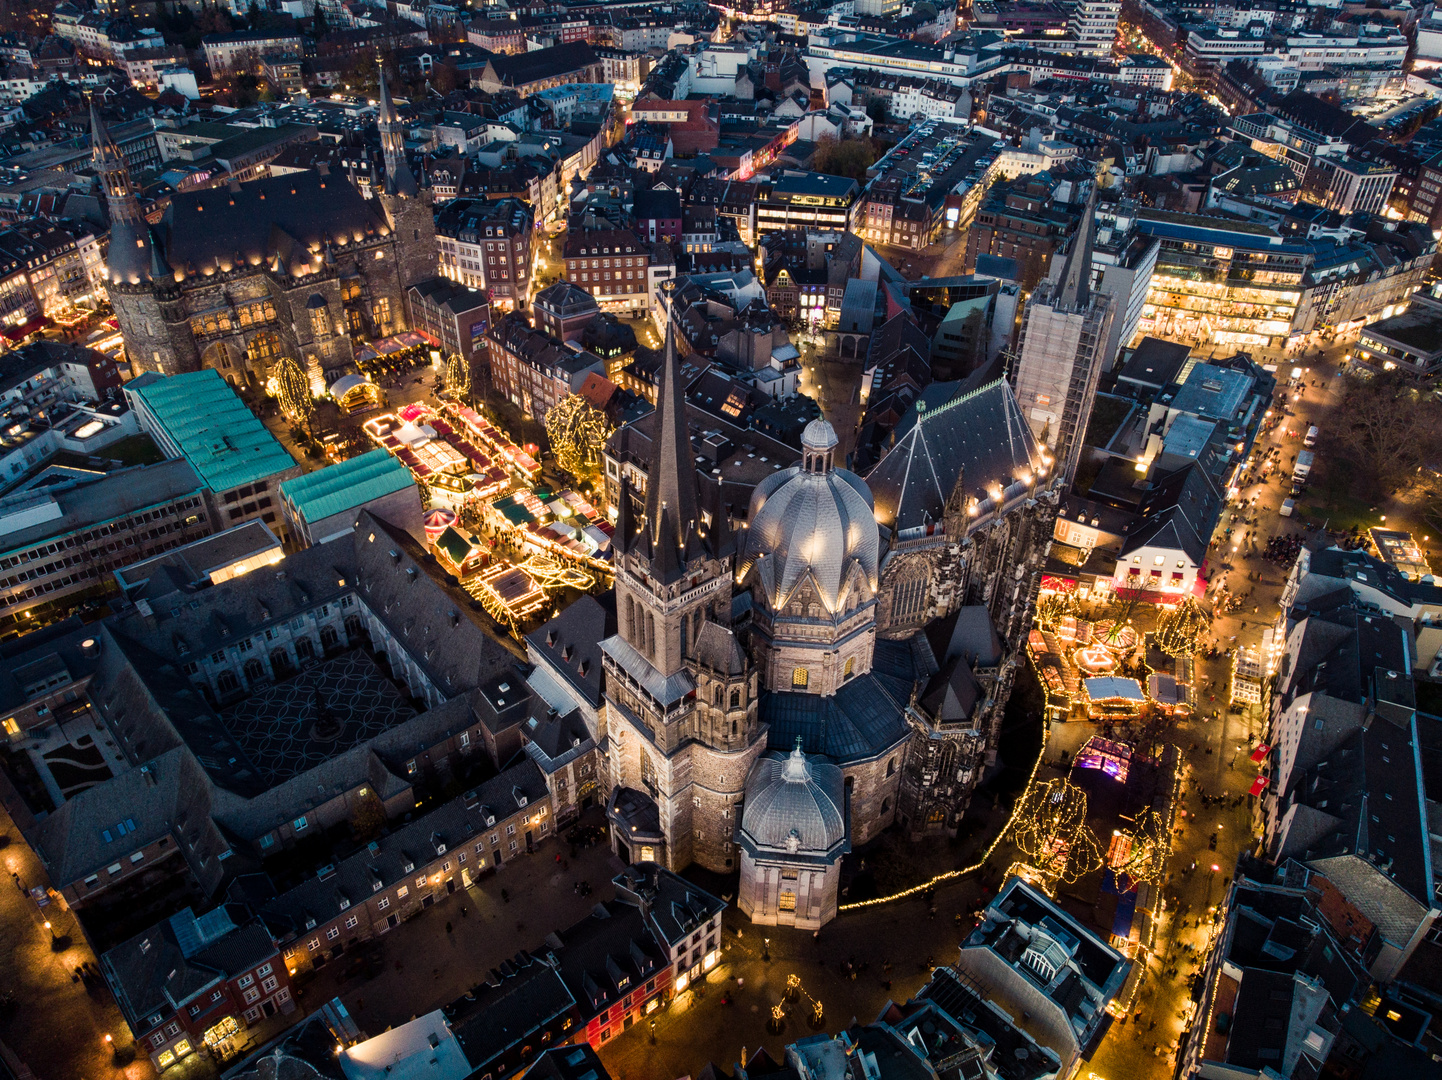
(216,433)
(346,485)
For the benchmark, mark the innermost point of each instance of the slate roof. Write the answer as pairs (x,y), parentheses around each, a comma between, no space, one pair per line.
(1154,362)
(291,215)
(162,968)
(570,643)
(221,438)
(346,485)
(864,719)
(503,1017)
(980,435)
(454,824)
(518,69)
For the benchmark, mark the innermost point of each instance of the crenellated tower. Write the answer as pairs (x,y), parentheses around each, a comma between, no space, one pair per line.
(141,284)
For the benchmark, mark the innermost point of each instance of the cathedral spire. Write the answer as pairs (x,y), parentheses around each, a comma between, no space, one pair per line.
(1074,289)
(399,178)
(672,518)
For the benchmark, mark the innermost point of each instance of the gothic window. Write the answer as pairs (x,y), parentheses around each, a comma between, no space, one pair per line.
(800,676)
(909,598)
(631,620)
(648,771)
(650,635)
(720,692)
(850,667)
(305,648)
(226,682)
(733,727)
(735,699)
(891,767)
(381,312)
(329,639)
(885,805)
(254,670)
(264,346)
(319,322)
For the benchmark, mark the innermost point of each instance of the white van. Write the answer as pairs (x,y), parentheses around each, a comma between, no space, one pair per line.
(1313,433)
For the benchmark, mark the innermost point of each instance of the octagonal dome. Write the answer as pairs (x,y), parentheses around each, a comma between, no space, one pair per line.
(812,522)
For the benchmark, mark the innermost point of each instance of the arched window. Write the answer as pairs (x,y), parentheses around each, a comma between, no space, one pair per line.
(891,767)
(885,805)
(850,667)
(733,727)
(280,663)
(353,628)
(254,670)
(736,699)
(720,693)
(329,639)
(226,683)
(305,648)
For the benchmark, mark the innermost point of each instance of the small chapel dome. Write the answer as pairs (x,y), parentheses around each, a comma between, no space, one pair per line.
(794,805)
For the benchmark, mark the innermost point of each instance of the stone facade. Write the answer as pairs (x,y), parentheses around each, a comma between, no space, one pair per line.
(235,278)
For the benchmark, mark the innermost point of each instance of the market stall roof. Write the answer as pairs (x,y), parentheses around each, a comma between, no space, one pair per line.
(1111,687)
(345,384)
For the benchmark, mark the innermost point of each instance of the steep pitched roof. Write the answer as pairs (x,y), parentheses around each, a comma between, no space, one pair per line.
(979,437)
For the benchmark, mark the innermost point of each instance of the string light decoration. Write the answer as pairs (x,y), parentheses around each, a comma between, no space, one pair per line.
(577,430)
(553,574)
(1052,831)
(293,390)
(1179,630)
(964,871)
(1052,608)
(1141,852)
(457,376)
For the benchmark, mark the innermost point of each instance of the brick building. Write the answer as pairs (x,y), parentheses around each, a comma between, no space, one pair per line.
(611,264)
(190,982)
(532,369)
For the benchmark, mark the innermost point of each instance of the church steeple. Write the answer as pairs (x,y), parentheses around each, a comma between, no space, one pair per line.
(399,178)
(110,167)
(1076,272)
(672,529)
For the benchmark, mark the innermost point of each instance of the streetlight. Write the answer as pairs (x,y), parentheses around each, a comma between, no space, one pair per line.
(765,948)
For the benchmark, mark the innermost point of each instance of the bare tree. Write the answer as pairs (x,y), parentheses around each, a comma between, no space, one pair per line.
(1386,430)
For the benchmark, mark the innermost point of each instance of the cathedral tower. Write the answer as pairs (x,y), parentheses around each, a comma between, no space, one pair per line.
(140,283)
(681,707)
(407,204)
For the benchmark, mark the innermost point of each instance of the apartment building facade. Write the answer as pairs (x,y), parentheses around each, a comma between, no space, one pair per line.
(486,244)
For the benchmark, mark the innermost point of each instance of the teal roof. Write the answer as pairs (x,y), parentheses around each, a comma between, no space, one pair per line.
(346,485)
(222,439)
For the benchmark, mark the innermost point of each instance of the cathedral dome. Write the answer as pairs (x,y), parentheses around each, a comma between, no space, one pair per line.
(794,805)
(815,523)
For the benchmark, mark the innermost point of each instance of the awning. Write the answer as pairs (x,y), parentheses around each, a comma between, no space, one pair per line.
(1261,752)
(15,333)
(1259,785)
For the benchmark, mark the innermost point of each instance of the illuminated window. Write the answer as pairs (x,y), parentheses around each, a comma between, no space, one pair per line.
(786,902)
(799,676)
(648,853)
(850,667)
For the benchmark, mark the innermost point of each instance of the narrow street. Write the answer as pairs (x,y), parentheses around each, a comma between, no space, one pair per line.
(41,993)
